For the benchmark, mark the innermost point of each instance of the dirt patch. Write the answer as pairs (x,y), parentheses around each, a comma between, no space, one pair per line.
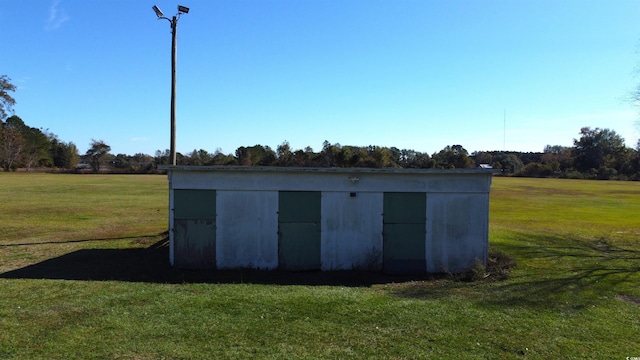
(628,299)
(145,240)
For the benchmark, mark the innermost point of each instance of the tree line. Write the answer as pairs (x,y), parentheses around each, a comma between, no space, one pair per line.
(596,154)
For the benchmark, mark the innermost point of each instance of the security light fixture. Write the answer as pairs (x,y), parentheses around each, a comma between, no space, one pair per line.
(159,12)
(183,9)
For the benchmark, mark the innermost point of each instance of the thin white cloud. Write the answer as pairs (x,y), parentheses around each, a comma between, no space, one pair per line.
(57,16)
(21,83)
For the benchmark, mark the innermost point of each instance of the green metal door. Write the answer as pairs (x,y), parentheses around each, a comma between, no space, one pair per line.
(404,232)
(299,230)
(194,218)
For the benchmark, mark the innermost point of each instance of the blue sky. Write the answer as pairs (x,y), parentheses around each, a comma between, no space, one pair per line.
(415,74)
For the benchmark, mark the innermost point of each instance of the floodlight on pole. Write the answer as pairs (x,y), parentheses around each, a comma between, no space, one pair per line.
(174,26)
(159,12)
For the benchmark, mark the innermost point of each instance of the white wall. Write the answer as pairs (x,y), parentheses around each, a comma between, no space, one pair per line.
(457,231)
(247,229)
(351,236)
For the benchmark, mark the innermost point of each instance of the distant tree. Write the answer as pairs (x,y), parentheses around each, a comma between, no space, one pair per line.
(133,164)
(384,157)
(629,162)
(482,157)
(56,152)
(6,101)
(555,149)
(635,163)
(141,162)
(509,163)
(355,156)
(161,158)
(395,156)
(345,156)
(219,158)
(199,158)
(181,159)
(63,155)
(256,155)
(11,145)
(423,161)
(284,154)
(122,162)
(36,151)
(529,157)
(452,157)
(244,158)
(558,158)
(303,158)
(599,152)
(407,158)
(535,169)
(96,153)
(328,156)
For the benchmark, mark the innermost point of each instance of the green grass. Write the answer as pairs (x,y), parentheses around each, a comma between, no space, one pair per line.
(84,274)
(60,212)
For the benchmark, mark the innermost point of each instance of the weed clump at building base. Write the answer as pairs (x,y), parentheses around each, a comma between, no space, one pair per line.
(499,264)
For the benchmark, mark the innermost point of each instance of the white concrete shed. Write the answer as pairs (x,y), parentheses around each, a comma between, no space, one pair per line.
(299,219)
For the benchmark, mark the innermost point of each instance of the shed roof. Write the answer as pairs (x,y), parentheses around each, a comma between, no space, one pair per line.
(350,170)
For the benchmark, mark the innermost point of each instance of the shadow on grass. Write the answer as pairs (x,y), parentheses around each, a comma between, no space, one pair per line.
(151,264)
(554,271)
(570,270)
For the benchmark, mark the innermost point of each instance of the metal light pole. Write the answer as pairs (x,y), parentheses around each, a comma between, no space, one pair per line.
(174,28)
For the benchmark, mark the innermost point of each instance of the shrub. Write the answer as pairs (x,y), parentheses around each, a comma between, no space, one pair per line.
(499,264)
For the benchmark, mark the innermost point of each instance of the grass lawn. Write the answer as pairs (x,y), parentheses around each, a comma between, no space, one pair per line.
(84,274)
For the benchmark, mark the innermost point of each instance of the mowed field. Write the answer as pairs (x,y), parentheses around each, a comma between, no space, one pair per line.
(84,275)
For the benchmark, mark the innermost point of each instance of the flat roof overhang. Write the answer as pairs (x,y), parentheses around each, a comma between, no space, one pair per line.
(351,170)
(329,179)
